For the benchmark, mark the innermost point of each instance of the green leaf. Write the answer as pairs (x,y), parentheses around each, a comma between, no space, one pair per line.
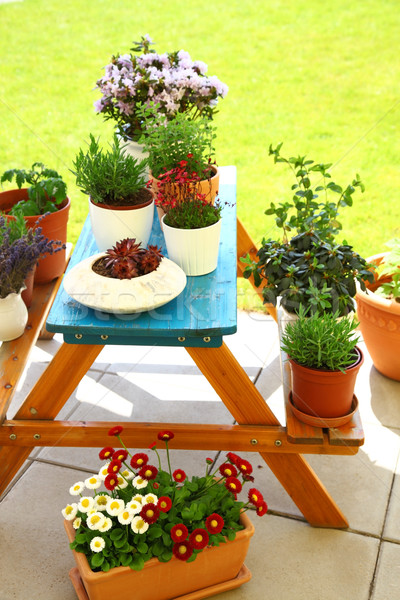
(97,560)
(154,532)
(142,548)
(137,563)
(116,534)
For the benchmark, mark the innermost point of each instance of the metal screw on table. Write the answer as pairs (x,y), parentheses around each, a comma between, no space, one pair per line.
(278,443)
(78,336)
(104,336)
(181,339)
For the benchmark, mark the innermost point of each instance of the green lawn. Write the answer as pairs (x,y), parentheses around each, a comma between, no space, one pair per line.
(321,77)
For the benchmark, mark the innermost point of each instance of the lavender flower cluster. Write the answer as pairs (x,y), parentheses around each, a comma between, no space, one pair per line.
(171,80)
(18,255)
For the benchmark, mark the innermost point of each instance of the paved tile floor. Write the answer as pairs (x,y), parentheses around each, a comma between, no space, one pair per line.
(287,557)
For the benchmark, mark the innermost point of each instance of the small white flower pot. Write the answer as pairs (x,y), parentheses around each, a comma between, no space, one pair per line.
(194,250)
(13,317)
(110,224)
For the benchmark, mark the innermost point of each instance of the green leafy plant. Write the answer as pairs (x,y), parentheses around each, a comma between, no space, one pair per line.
(306,210)
(192,213)
(321,341)
(110,176)
(391,267)
(309,271)
(148,512)
(46,189)
(169,142)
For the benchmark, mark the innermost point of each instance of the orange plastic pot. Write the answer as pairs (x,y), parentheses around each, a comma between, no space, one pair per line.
(380,325)
(324,393)
(166,581)
(54,227)
(27,294)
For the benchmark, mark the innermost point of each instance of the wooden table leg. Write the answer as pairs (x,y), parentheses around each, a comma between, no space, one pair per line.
(47,398)
(247,406)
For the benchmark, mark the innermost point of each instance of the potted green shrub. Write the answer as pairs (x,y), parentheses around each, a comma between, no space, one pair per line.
(159,532)
(310,267)
(44,198)
(324,359)
(120,205)
(378,309)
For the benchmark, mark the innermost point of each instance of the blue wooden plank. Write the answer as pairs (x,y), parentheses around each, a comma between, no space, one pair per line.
(127,340)
(206,308)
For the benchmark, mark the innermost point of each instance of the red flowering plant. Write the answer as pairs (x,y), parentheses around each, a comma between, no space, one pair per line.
(146,512)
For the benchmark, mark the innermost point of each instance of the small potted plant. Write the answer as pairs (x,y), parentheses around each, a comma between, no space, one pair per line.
(120,205)
(46,199)
(159,530)
(20,250)
(378,309)
(310,268)
(171,80)
(127,278)
(324,359)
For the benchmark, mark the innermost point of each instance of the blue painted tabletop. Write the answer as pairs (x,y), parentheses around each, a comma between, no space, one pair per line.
(198,317)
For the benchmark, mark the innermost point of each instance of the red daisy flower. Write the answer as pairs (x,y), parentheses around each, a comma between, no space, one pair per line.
(139,460)
(182,550)
(156,485)
(199,538)
(233,458)
(114,466)
(209,461)
(255,497)
(214,523)
(165,435)
(111,481)
(152,445)
(179,475)
(107,452)
(179,532)
(244,466)
(247,477)
(233,485)
(121,455)
(164,503)
(115,430)
(262,508)
(150,513)
(148,472)
(228,470)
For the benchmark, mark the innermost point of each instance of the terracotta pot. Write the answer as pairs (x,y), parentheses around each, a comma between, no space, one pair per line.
(380,325)
(166,581)
(110,224)
(54,227)
(28,291)
(324,393)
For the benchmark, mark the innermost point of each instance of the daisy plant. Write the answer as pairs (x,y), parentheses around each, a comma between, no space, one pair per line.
(146,512)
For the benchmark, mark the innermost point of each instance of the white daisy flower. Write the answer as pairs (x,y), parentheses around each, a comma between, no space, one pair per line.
(100,501)
(97,544)
(93,482)
(69,512)
(127,474)
(134,506)
(107,524)
(121,483)
(86,504)
(125,516)
(138,498)
(77,488)
(115,506)
(95,520)
(150,499)
(103,471)
(138,525)
(77,523)
(139,483)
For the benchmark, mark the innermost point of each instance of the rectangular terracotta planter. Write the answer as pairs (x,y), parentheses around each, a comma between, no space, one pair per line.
(165,581)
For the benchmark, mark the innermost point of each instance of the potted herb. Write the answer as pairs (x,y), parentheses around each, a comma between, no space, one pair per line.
(324,360)
(120,205)
(20,249)
(378,309)
(127,278)
(45,195)
(310,268)
(171,80)
(148,523)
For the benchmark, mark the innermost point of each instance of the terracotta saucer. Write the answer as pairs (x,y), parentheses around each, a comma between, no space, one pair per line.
(243,576)
(323,421)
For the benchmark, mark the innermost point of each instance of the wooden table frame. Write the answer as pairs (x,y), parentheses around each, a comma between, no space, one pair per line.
(257,429)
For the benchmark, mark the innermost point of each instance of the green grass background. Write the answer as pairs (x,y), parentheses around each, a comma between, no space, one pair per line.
(322,77)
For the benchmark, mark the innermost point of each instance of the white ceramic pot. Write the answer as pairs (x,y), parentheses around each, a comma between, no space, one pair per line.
(112,224)
(13,317)
(194,250)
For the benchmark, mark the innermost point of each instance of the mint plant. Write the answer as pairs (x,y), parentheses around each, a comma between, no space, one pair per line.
(391,267)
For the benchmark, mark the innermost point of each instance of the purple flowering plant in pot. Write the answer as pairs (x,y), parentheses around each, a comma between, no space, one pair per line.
(172,80)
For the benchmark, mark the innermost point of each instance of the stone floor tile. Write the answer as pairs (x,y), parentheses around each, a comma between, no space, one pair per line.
(392,524)
(388,573)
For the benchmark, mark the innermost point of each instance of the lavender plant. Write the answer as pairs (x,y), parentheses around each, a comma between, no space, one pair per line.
(20,249)
(171,80)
